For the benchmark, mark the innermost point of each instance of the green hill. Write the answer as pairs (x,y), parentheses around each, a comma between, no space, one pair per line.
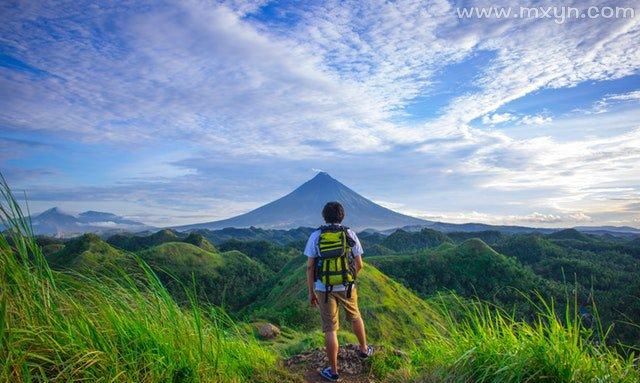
(471,269)
(273,256)
(280,237)
(377,249)
(225,279)
(392,313)
(490,237)
(569,234)
(530,248)
(369,238)
(87,252)
(132,242)
(403,241)
(201,242)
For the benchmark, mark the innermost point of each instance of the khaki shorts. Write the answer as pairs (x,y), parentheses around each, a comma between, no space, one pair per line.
(329,310)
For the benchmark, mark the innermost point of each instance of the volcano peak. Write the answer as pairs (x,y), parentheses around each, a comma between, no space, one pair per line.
(303,206)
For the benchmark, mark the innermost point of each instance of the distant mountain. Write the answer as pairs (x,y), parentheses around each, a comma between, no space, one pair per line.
(475,228)
(303,206)
(62,224)
(616,231)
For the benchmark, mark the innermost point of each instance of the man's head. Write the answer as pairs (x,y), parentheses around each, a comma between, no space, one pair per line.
(333,212)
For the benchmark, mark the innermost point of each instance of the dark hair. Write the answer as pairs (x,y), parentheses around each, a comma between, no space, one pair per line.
(333,212)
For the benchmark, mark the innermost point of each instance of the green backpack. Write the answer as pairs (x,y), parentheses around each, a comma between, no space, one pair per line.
(334,264)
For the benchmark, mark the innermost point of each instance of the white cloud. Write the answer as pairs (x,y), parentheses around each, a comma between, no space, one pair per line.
(532,219)
(535,120)
(580,217)
(345,68)
(497,118)
(630,96)
(603,105)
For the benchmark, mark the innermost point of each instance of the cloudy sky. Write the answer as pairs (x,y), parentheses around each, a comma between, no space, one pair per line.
(190,111)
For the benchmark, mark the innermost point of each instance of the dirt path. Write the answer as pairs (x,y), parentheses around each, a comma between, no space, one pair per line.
(352,368)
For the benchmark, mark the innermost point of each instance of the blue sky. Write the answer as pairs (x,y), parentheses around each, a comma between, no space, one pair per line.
(184,112)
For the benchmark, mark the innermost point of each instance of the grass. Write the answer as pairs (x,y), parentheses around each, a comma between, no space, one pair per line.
(485,344)
(66,327)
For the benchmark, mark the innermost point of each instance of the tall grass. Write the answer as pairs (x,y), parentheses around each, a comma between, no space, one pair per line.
(485,344)
(62,327)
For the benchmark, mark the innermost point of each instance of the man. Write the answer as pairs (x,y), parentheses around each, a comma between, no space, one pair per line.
(329,298)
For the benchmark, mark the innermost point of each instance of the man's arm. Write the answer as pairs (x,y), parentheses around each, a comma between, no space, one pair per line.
(311,264)
(358,264)
(357,252)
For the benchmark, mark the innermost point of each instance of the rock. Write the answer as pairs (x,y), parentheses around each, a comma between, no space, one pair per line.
(268,331)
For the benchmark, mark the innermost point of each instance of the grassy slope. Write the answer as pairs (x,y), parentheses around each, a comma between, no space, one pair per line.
(274,257)
(403,241)
(392,313)
(486,345)
(69,327)
(471,269)
(132,242)
(226,279)
(88,252)
(595,268)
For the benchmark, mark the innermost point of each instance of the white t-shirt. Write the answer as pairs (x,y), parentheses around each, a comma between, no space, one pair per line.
(312,251)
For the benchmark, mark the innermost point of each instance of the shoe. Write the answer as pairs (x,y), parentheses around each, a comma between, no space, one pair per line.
(367,354)
(329,375)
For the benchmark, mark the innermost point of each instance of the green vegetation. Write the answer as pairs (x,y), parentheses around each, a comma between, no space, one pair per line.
(66,327)
(271,255)
(148,309)
(89,253)
(403,242)
(279,237)
(471,269)
(393,314)
(201,242)
(223,279)
(600,271)
(488,345)
(131,242)
(593,268)
(490,237)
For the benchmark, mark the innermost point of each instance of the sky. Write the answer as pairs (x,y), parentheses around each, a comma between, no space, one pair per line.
(191,111)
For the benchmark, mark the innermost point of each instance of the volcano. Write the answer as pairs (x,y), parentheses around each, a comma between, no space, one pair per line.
(303,206)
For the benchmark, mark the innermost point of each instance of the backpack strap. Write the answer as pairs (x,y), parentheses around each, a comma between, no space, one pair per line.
(327,290)
(349,288)
(350,241)
(345,279)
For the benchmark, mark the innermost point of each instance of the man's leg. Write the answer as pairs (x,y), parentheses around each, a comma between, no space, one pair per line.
(353,314)
(331,344)
(358,329)
(330,326)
